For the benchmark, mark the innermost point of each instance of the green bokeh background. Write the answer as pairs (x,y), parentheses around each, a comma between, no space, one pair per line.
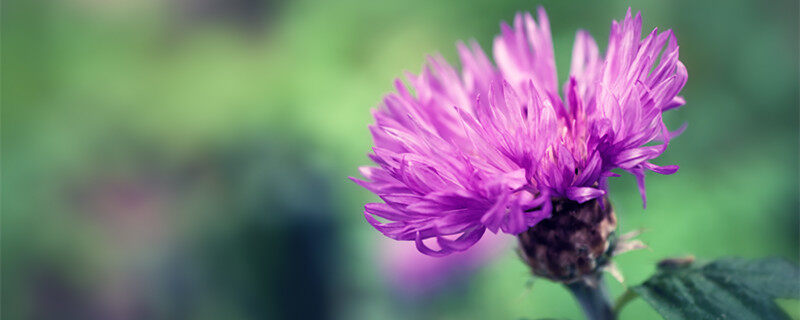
(188,159)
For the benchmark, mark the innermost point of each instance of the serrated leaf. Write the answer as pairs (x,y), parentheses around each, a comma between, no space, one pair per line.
(729,288)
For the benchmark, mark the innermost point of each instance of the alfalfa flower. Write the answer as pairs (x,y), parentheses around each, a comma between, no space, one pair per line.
(499,147)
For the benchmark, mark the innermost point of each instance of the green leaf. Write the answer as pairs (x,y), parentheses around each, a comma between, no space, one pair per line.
(729,288)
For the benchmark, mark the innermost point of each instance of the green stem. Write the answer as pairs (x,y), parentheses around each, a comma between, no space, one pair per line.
(623,300)
(592,295)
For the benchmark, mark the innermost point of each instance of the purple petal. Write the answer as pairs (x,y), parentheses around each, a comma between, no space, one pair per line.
(583,194)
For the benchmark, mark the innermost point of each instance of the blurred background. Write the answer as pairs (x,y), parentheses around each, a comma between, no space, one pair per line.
(188,159)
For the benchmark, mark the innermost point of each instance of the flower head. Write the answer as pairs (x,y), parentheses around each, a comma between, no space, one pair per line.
(493,147)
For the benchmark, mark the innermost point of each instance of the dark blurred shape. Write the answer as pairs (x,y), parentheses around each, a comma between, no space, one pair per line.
(244,230)
(279,261)
(57,298)
(248,15)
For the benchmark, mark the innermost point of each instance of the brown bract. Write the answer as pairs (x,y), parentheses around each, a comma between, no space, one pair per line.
(578,240)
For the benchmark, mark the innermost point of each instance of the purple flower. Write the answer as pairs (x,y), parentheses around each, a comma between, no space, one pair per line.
(412,274)
(491,148)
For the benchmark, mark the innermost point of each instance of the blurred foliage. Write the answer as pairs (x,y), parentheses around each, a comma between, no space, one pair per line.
(188,159)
